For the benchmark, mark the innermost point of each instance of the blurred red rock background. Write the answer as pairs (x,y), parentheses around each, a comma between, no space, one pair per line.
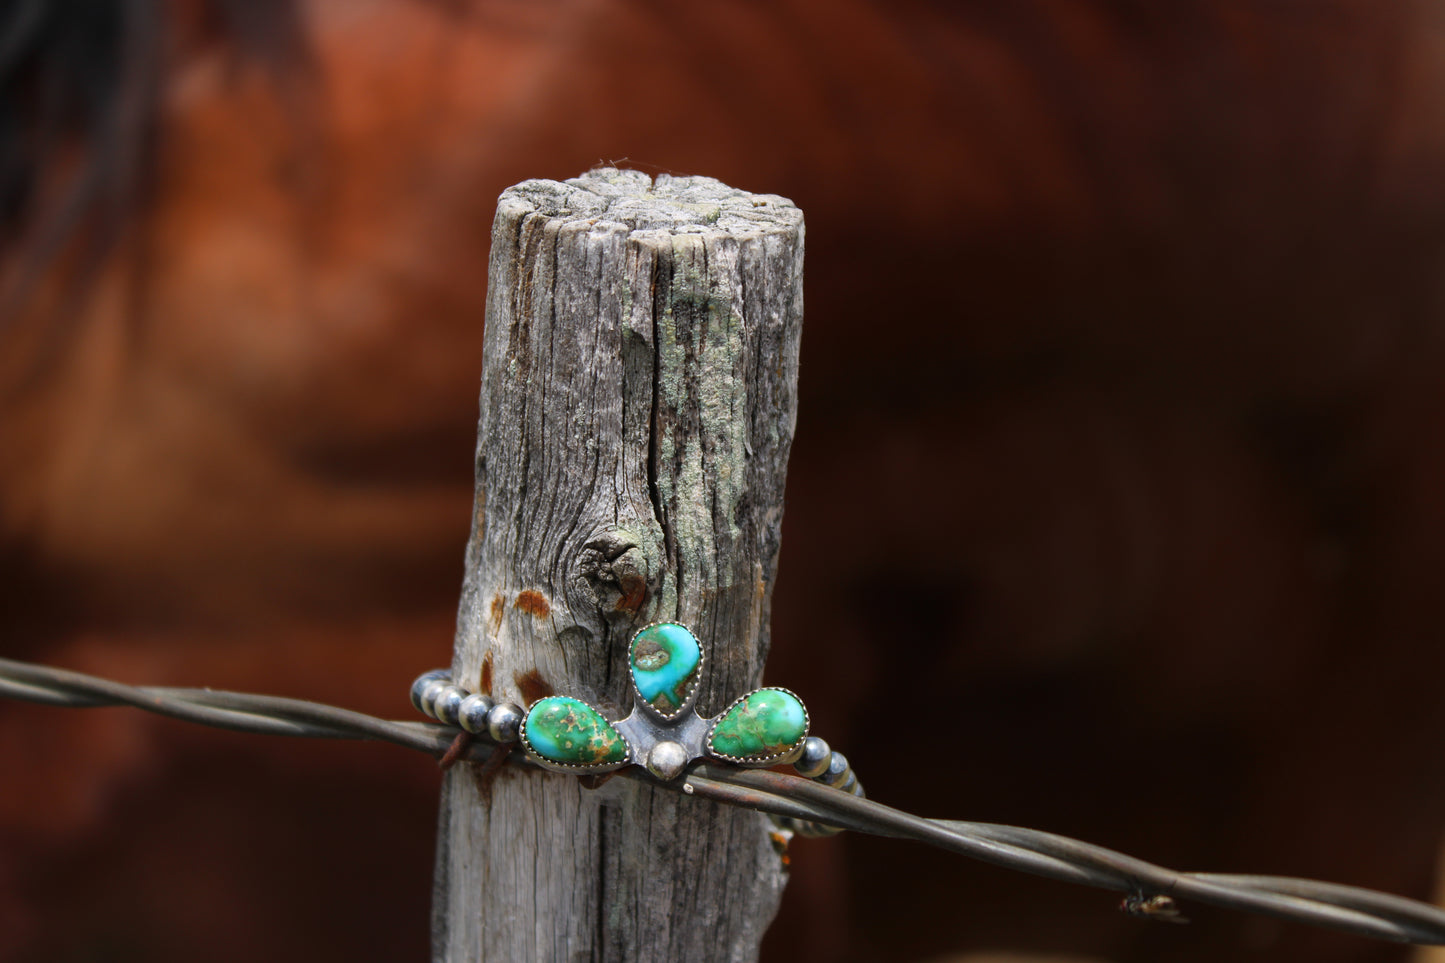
(1117,505)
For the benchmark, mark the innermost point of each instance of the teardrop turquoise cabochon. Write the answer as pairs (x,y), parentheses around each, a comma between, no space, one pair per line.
(666,661)
(568,732)
(763,725)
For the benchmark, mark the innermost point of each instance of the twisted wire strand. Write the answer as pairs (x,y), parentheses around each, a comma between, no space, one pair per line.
(1347,908)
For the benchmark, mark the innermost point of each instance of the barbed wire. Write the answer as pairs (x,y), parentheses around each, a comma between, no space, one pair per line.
(1347,908)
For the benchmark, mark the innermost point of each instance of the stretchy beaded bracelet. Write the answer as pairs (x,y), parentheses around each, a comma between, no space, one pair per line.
(664,733)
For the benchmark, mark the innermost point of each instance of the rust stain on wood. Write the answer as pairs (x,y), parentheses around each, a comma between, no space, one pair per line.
(533,686)
(499,608)
(634,593)
(533,603)
(486,687)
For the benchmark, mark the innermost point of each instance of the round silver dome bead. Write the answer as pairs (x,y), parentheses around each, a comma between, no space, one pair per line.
(472,714)
(420,686)
(449,703)
(815,758)
(667,760)
(504,722)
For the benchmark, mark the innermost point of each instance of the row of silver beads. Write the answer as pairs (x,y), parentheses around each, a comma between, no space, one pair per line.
(436,696)
(820,763)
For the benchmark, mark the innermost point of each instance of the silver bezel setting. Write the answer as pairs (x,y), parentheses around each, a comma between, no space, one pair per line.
(629,756)
(778,757)
(689,697)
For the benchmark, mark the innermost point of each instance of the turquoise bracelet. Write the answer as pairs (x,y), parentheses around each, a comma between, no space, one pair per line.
(663,733)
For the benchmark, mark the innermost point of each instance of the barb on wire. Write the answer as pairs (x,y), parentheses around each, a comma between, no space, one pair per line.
(1347,908)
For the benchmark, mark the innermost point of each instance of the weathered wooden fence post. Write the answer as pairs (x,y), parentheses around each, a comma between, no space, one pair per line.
(638,402)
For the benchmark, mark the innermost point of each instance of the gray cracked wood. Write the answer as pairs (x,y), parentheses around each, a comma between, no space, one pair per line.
(639,393)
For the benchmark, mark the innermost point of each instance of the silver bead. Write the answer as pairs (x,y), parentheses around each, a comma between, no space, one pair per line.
(837,769)
(666,760)
(504,721)
(448,703)
(422,681)
(430,693)
(815,758)
(472,713)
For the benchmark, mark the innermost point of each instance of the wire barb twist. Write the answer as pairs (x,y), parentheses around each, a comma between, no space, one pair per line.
(1348,908)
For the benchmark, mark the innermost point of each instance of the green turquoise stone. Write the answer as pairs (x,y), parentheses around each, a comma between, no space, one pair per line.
(761,725)
(666,661)
(569,732)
